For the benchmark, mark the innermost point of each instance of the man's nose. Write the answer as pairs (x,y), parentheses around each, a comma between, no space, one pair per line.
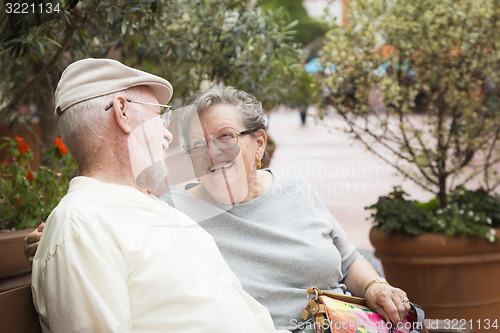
(168,135)
(212,148)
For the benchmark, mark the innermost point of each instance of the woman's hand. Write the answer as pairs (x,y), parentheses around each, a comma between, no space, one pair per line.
(31,243)
(389,302)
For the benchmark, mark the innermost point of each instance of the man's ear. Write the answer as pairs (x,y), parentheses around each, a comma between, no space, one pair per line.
(122,114)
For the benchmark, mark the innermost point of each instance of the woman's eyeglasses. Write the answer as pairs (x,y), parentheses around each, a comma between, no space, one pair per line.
(224,139)
(165,111)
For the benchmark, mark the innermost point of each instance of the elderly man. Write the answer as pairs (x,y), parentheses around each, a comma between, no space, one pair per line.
(114,258)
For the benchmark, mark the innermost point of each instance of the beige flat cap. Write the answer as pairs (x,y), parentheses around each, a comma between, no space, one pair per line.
(90,78)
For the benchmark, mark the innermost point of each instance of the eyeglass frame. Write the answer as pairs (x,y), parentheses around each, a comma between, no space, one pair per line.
(238,134)
(165,109)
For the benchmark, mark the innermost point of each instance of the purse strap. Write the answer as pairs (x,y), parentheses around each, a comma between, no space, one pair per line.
(344,298)
(318,312)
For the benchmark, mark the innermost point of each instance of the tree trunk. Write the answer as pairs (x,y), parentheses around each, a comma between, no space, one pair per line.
(443,200)
(48,121)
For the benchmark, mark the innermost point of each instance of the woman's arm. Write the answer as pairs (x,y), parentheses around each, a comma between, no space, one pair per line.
(381,297)
(31,242)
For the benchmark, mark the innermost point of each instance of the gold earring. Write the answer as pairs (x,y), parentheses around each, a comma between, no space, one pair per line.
(258,163)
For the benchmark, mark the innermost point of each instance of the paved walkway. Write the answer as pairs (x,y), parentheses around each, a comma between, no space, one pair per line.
(345,175)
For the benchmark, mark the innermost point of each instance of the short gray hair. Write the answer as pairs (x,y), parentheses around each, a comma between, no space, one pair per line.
(247,105)
(82,125)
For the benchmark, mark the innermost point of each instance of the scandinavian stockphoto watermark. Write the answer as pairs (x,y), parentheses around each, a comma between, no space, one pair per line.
(346,169)
(354,326)
(343,179)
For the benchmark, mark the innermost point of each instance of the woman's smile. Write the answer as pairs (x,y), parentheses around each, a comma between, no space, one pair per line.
(223,166)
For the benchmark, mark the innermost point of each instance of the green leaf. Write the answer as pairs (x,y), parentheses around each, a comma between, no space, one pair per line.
(42,49)
(52,41)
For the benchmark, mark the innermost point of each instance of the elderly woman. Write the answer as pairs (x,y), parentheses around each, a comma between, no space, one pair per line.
(273,230)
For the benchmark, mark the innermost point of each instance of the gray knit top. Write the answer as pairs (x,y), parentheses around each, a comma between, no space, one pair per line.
(278,244)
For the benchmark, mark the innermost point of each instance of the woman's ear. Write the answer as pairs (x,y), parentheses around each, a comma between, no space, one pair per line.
(261,142)
(122,114)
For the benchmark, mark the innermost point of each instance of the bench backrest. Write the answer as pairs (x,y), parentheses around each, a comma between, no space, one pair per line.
(17,313)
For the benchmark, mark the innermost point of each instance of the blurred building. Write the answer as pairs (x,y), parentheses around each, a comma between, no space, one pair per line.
(333,8)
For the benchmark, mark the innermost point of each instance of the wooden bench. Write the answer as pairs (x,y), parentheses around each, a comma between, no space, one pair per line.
(17,313)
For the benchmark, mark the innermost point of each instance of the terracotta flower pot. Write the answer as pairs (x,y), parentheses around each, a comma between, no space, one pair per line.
(455,278)
(15,270)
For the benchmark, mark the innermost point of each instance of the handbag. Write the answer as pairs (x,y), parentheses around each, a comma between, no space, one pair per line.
(345,314)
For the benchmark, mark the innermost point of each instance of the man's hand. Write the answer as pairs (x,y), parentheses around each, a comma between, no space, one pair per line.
(31,242)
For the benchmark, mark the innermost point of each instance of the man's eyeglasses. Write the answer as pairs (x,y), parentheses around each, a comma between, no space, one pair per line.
(224,139)
(165,111)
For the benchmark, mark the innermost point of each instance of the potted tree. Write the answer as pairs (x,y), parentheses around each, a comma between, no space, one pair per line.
(436,67)
(435,254)
(27,196)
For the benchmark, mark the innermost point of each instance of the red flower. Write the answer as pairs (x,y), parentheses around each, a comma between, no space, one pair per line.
(62,148)
(23,147)
(30,176)
(22,109)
